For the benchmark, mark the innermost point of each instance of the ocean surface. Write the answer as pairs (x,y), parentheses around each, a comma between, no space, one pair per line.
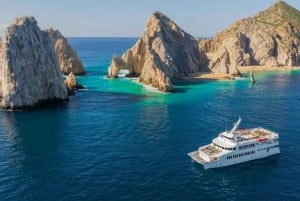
(118,140)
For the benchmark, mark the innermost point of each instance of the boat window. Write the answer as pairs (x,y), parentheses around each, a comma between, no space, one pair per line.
(224,148)
(227,137)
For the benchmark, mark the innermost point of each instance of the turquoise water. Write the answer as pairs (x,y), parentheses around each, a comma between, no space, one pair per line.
(118,140)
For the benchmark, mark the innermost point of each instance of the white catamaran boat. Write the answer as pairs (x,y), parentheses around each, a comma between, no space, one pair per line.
(237,146)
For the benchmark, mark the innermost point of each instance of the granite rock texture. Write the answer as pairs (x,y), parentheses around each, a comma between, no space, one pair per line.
(162,54)
(66,55)
(29,71)
(71,82)
(271,38)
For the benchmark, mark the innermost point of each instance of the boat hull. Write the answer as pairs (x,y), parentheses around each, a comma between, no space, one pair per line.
(222,162)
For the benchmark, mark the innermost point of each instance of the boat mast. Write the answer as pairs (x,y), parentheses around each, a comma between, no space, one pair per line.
(236,125)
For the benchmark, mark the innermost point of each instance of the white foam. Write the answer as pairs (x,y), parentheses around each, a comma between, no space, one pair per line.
(148,87)
(239,78)
(152,89)
(123,73)
(84,89)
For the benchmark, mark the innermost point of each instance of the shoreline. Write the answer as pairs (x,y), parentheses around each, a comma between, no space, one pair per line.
(211,76)
(247,69)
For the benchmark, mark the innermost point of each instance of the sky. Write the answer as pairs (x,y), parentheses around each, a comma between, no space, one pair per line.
(120,18)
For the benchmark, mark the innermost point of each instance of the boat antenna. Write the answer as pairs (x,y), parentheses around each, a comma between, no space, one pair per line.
(236,125)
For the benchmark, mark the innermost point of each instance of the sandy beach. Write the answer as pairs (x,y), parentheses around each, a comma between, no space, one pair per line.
(243,69)
(247,69)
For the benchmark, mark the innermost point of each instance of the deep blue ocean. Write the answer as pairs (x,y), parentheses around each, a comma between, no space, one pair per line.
(117,140)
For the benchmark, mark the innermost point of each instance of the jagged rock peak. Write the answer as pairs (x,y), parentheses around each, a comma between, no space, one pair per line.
(25,21)
(159,21)
(279,12)
(29,71)
(271,38)
(67,56)
(162,54)
(160,16)
(54,34)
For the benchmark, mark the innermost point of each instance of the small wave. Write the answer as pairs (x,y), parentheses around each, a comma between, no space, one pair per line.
(239,78)
(152,89)
(84,89)
(148,87)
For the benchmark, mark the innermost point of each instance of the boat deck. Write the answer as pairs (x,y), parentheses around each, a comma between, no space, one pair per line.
(195,156)
(210,150)
(255,133)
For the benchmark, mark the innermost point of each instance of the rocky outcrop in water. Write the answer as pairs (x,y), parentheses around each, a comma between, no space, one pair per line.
(29,71)
(271,38)
(66,55)
(252,77)
(161,55)
(72,84)
(165,52)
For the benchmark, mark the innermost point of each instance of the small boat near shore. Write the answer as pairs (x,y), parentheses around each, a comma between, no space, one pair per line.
(237,146)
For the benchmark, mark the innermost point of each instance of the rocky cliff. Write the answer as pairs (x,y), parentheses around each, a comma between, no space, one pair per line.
(29,71)
(163,53)
(67,56)
(272,38)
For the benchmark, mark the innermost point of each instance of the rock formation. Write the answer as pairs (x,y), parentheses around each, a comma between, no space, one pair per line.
(67,56)
(165,52)
(162,54)
(29,71)
(71,82)
(252,77)
(271,38)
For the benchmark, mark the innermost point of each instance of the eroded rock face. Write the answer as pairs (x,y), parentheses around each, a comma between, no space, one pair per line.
(162,54)
(165,52)
(115,67)
(71,82)
(67,56)
(29,71)
(269,38)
